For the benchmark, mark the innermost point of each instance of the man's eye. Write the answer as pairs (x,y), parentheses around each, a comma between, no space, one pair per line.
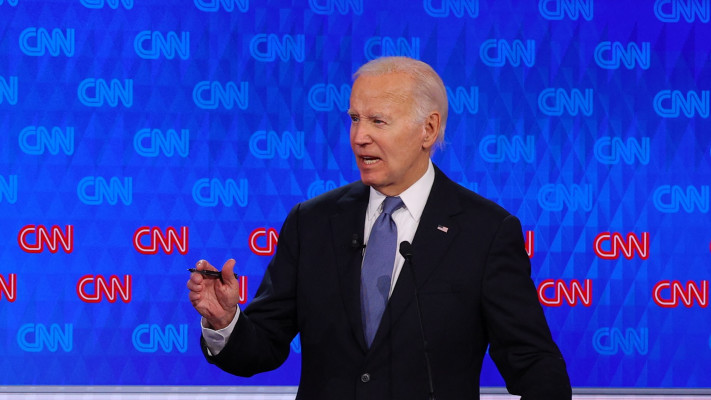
(354,118)
(378,121)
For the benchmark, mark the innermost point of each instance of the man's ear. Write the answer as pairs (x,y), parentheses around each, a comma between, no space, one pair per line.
(432,126)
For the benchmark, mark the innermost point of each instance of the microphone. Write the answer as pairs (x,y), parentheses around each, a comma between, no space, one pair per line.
(406,253)
(357,242)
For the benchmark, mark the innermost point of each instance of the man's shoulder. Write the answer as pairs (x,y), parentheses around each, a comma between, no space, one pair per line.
(340,197)
(467,199)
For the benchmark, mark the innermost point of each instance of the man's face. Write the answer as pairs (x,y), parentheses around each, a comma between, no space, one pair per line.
(391,148)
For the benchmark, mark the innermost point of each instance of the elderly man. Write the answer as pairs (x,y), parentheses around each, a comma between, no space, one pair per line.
(376,322)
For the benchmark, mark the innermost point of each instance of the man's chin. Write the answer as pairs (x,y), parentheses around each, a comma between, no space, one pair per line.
(377,185)
(367,182)
(368,179)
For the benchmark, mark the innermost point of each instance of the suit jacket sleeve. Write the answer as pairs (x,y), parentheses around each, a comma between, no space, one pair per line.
(264,330)
(520,341)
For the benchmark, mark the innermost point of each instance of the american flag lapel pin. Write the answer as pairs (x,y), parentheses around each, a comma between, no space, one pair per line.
(442,228)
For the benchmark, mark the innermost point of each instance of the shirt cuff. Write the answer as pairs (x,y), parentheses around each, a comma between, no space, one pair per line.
(215,340)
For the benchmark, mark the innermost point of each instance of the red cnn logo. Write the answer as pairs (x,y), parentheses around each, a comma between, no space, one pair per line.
(272,238)
(618,242)
(242,289)
(678,291)
(103,288)
(529,243)
(563,292)
(10,290)
(156,237)
(42,238)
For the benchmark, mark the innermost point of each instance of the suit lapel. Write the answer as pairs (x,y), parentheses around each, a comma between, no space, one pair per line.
(435,232)
(344,225)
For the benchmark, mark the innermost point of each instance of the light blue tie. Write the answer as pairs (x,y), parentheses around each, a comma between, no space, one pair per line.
(378,267)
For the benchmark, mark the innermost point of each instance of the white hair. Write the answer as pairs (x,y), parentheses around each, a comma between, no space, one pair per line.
(429,92)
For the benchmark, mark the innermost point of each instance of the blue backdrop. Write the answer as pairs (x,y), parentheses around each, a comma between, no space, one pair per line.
(137,137)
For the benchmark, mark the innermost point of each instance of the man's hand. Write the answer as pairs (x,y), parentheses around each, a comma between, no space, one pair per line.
(215,298)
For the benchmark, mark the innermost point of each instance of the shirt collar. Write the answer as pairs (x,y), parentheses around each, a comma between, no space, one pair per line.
(414,198)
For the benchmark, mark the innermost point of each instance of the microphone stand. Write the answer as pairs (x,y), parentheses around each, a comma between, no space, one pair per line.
(406,252)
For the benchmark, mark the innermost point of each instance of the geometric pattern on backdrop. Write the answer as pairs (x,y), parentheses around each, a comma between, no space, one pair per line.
(141,136)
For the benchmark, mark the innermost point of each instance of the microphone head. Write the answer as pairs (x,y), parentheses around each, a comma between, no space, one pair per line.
(355,241)
(406,249)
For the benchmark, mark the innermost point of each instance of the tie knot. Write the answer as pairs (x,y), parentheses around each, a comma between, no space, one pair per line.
(391,204)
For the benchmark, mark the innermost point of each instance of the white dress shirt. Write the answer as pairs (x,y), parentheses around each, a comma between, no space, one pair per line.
(407,218)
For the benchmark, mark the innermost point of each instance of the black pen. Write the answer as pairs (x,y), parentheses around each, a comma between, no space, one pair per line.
(207,272)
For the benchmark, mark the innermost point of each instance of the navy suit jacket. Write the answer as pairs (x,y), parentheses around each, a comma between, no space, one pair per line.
(475,290)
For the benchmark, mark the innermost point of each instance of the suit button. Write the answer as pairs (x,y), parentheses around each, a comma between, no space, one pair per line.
(365,378)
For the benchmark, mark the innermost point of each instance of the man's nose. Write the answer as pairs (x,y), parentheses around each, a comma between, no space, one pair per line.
(360,135)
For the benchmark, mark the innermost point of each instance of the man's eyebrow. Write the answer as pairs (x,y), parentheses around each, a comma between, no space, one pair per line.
(370,116)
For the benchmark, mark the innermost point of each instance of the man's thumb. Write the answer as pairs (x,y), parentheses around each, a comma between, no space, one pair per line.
(228,268)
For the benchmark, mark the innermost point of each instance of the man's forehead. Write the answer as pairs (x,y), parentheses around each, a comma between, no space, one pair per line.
(401,95)
(382,88)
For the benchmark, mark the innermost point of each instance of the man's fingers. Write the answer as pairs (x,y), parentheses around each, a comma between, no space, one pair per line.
(203,265)
(195,283)
(213,298)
